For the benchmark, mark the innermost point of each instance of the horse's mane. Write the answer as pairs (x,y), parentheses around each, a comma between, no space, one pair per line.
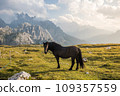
(55,45)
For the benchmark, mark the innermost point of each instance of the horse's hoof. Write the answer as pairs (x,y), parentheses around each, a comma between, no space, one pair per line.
(58,67)
(70,69)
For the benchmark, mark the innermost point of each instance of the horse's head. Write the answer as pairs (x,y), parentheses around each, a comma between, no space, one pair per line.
(46,44)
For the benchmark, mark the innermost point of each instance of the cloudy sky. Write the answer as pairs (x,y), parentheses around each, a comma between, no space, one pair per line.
(103,14)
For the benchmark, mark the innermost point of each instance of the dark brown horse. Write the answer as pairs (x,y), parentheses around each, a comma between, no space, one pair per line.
(64,52)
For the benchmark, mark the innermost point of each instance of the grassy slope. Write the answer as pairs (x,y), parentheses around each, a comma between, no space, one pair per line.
(102,63)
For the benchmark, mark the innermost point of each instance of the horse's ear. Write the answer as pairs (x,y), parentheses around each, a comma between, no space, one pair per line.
(47,42)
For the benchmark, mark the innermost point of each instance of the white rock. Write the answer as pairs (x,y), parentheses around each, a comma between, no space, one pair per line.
(87,72)
(17,52)
(85,59)
(90,52)
(20,76)
(30,59)
(108,48)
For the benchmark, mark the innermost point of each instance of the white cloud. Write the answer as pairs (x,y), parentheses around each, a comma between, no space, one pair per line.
(99,13)
(70,19)
(8,12)
(7,15)
(54,20)
(38,8)
(109,1)
(52,7)
(31,7)
(99,2)
(110,11)
(103,14)
(65,1)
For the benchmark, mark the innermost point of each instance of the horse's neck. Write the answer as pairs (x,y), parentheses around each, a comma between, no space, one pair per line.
(54,47)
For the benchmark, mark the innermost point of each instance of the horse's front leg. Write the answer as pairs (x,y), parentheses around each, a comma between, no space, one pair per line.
(57,58)
(73,61)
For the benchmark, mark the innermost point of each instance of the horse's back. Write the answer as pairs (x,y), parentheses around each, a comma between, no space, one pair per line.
(72,48)
(66,52)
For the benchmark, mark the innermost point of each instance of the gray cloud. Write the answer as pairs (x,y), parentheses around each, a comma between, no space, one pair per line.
(32,7)
(110,11)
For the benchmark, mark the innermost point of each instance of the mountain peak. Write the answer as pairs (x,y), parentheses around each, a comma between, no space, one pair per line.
(26,24)
(23,16)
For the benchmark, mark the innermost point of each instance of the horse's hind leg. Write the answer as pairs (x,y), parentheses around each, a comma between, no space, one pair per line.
(73,61)
(57,58)
(77,63)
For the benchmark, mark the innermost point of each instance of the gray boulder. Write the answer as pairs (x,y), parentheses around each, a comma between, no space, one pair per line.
(20,76)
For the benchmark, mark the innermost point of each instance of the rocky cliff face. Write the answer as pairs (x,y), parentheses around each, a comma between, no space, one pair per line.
(36,32)
(2,23)
(24,34)
(18,39)
(3,32)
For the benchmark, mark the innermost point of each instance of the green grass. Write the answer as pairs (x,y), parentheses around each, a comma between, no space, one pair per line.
(102,64)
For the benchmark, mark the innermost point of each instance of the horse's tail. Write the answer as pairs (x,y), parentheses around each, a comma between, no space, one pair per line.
(80,59)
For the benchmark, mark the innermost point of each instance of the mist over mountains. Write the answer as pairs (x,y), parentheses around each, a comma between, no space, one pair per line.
(90,34)
(82,31)
(111,38)
(27,30)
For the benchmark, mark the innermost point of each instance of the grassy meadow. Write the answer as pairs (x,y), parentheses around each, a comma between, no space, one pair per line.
(103,63)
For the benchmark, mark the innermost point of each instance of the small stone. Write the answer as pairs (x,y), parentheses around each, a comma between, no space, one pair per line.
(90,52)
(17,52)
(108,48)
(87,72)
(30,59)
(85,59)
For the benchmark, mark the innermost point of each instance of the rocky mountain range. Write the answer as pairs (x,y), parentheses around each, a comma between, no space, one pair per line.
(27,30)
